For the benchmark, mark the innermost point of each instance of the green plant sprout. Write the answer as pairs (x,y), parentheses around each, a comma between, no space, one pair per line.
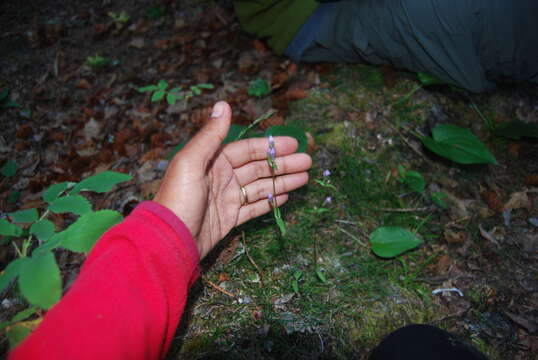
(36,269)
(271,197)
(97,61)
(5,101)
(259,87)
(160,90)
(412,179)
(121,18)
(9,168)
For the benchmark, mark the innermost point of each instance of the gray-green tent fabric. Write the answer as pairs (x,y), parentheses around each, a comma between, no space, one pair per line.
(468,43)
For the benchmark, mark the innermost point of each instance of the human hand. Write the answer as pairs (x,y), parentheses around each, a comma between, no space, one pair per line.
(202,184)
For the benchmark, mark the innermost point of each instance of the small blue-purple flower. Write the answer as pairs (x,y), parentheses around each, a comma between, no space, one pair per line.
(328,200)
(326,173)
(270,197)
(271,153)
(271,141)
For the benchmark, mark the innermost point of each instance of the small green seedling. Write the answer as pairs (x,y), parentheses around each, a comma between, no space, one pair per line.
(36,270)
(9,169)
(391,241)
(259,87)
(97,61)
(160,90)
(413,179)
(120,18)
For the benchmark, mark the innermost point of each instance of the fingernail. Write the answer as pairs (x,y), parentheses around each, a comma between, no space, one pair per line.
(218,110)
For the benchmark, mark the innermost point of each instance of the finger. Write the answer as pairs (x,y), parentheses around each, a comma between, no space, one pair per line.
(243,151)
(207,141)
(289,164)
(259,189)
(258,208)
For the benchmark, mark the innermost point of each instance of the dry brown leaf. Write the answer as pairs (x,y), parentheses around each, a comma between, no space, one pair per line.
(274,120)
(454,237)
(153,154)
(491,198)
(82,84)
(311,143)
(518,200)
(296,94)
(149,189)
(531,180)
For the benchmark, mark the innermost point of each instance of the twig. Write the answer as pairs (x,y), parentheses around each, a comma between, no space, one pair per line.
(351,236)
(218,288)
(265,116)
(426,208)
(250,259)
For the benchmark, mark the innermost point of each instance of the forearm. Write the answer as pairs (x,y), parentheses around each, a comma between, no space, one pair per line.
(129,296)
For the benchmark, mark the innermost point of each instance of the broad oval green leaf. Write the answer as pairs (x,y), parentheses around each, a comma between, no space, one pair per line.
(83,233)
(171,98)
(147,88)
(76,204)
(56,190)
(391,241)
(288,130)
(11,272)
(24,216)
(158,95)
(9,229)
(259,87)
(40,281)
(459,145)
(101,182)
(43,229)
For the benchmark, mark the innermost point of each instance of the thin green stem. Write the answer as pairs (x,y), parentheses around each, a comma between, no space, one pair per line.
(265,116)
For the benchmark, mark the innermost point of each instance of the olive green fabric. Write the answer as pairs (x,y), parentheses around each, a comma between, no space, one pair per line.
(276,21)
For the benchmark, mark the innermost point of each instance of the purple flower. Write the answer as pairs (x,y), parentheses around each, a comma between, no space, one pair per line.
(326,173)
(270,197)
(271,141)
(271,153)
(328,200)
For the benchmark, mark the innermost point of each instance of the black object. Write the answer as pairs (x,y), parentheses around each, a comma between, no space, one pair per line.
(424,342)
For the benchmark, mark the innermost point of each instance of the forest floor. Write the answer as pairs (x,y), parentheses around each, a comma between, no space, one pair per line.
(262,296)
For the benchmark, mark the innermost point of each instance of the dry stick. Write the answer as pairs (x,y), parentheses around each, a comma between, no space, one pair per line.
(218,288)
(426,208)
(250,259)
(351,236)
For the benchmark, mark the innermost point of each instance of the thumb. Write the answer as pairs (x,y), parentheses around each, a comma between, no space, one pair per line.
(208,140)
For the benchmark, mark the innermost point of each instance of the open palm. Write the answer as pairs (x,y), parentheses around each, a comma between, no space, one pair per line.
(202,185)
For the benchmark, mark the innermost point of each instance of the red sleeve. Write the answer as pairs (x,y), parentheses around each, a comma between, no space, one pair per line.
(129,296)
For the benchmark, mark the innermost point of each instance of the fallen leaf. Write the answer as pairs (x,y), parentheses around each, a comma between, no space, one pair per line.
(491,198)
(454,237)
(82,84)
(531,180)
(92,129)
(487,235)
(518,200)
(272,121)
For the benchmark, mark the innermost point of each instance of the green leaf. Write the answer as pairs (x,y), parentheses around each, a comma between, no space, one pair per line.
(9,169)
(13,197)
(517,129)
(171,99)
(162,85)
(288,130)
(24,314)
(101,182)
(295,285)
(459,145)
(259,87)
(325,184)
(205,86)
(196,90)
(297,274)
(427,79)
(24,216)
(158,95)
(147,88)
(9,229)
(438,199)
(320,275)
(76,204)
(43,229)
(83,233)
(40,281)
(56,190)
(11,271)
(414,180)
(391,241)
(17,333)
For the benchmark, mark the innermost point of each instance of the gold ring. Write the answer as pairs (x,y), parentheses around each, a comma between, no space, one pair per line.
(244,196)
